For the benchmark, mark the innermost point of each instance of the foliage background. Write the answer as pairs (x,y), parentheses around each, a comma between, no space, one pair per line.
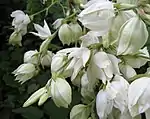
(12,94)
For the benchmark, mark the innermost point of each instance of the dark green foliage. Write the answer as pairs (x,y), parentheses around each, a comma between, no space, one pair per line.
(13,94)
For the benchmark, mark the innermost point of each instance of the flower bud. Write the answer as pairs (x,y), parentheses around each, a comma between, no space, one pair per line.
(46,59)
(77,31)
(34,97)
(65,34)
(58,61)
(43,99)
(58,23)
(61,92)
(15,38)
(44,46)
(31,57)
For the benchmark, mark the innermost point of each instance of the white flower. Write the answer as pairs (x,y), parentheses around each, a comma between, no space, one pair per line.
(139,59)
(65,34)
(86,91)
(97,16)
(118,91)
(80,111)
(77,31)
(104,104)
(20,21)
(80,58)
(89,39)
(127,71)
(61,92)
(117,22)
(132,31)
(138,96)
(107,65)
(58,60)
(31,57)
(43,32)
(46,59)
(25,72)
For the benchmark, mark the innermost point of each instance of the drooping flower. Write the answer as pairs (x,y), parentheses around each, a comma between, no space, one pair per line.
(25,72)
(61,92)
(20,21)
(138,96)
(80,111)
(46,59)
(106,64)
(31,57)
(132,31)
(97,16)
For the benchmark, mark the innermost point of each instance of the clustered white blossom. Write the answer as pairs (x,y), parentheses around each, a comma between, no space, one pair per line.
(103,66)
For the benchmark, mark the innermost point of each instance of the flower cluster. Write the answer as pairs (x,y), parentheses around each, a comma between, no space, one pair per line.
(110,45)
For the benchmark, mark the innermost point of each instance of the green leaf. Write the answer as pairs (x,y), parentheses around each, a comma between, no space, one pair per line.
(30,112)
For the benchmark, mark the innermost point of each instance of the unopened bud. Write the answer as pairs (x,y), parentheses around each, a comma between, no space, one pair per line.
(65,34)
(43,99)
(31,57)
(77,31)
(46,59)
(15,38)
(34,97)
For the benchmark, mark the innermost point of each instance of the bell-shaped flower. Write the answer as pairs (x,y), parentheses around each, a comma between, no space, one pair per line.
(80,111)
(43,32)
(61,92)
(138,96)
(139,59)
(104,104)
(25,72)
(117,22)
(132,31)
(15,38)
(31,57)
(107,65)
(58,61)
(89,39)
(20,21)
(46,59)
(65,34)
(97,16)
(118,91)
(77,31)
(127,71)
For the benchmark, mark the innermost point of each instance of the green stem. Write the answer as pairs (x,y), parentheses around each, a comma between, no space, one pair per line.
(45,9)
(138,76)
(124,7)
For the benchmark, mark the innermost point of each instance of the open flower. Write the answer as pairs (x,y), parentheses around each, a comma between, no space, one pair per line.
(25,72)
(20,21)
(43,32)
(97,16)
(106,65)
(138,96)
